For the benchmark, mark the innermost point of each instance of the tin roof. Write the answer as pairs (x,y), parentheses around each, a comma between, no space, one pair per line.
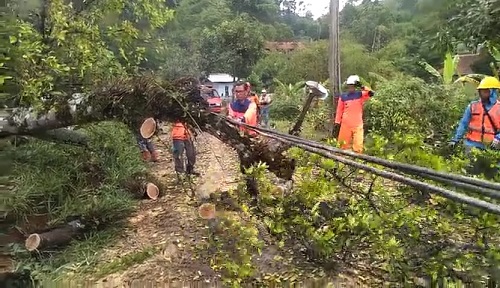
(221,78)
(283,46)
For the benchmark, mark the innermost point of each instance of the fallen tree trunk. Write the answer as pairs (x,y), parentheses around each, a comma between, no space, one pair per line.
(131,100)
(143,186)
(251,150)
(58,236)
(61,135)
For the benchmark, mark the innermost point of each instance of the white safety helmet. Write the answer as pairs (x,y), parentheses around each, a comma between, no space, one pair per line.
(352,80)
(263,91)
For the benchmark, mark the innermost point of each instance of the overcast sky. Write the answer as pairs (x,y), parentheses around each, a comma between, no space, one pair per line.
(320,7)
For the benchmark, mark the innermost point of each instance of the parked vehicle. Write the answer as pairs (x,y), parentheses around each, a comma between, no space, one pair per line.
(215,102)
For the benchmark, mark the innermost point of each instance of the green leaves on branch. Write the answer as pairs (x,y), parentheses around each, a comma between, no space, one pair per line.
(78,46)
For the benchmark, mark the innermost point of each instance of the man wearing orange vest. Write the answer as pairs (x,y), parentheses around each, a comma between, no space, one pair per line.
(183,142)
(243,109)
(350,114)
(481,120)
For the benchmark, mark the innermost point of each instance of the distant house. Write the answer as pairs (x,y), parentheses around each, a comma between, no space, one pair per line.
(478,63)
(224,84)
(466,62)
(284,47)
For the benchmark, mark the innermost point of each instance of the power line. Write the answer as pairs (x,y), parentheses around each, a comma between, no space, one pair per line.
(450,179)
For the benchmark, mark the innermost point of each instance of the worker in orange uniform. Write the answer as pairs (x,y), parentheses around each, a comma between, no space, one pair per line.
(183,142)
(350,114)
(243,109)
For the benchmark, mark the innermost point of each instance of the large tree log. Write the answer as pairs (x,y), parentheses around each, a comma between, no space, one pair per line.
(61,135)
(131,100)
(56,237)
(251,150)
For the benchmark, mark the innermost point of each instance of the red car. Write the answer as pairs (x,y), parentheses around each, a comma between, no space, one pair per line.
(211,95)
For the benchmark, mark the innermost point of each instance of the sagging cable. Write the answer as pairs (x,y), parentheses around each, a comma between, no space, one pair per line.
(490,207)
(411,169)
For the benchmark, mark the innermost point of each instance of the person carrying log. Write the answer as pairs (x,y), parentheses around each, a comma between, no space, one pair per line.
(146,146)
(350,114)
(243,109)
(182,141)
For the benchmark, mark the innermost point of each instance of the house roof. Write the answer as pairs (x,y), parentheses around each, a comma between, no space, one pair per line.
(465,63)
(283,46)
(221,78)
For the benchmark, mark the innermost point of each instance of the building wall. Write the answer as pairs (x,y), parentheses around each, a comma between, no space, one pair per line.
(221,89)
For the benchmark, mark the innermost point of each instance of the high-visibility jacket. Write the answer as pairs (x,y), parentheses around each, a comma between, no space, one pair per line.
(480,128)
(245,110)
(350,107)
(180,131)
(255,99)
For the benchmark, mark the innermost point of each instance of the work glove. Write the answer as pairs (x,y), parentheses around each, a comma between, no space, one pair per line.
(495,144)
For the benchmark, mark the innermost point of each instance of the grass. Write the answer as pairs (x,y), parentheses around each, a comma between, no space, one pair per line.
(123,263)
(64,182)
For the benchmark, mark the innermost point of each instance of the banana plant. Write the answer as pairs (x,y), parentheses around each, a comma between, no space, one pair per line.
(495,52)
(449,68)
(290,91)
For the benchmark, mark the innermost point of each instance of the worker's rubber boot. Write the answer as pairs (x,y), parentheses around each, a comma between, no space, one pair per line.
(190,171)
(154,156)
(180,178)
(146,156)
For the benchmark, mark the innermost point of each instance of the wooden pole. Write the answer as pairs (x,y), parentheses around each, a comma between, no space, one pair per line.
(334,59)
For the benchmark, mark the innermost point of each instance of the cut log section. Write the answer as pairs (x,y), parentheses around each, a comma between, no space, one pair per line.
(55,237)
(148,128)
(151,191)
(207,211)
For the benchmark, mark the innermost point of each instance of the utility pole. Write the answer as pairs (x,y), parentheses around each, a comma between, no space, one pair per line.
(334,59)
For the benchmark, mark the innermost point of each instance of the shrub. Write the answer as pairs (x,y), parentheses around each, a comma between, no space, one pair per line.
(411,106)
